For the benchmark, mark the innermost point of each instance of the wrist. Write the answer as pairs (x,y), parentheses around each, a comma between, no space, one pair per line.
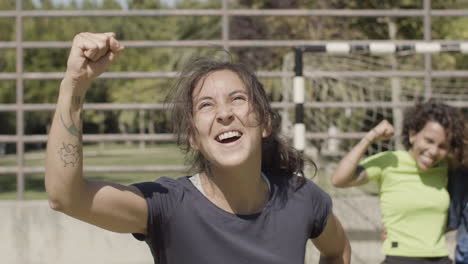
(71,97)
(368,139)
(74,86)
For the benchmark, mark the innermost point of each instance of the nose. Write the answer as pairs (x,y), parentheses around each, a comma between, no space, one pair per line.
(224,114)
(433,151)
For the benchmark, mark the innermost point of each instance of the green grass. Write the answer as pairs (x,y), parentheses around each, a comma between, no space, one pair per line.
(115,154)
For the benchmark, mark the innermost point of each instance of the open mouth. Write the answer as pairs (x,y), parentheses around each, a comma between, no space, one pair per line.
(228,137)
(427,161)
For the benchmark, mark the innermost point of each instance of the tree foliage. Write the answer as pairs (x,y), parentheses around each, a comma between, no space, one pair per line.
(187,28)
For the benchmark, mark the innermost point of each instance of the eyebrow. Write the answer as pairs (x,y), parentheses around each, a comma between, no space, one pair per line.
(197,100)
(237,91)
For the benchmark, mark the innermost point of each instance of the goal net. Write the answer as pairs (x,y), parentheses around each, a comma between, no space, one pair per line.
(358,103)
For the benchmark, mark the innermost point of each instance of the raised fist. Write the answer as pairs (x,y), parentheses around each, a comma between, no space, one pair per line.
(383,131)
(90,55)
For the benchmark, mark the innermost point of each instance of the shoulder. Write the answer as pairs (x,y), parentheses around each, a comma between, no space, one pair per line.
(398,154)
(310,191)
(312,187)
(164,196)
(163,185)
(316,205)
(384,158)
(315,190)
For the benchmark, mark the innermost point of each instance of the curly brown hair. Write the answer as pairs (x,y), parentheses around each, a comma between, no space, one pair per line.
(450,118)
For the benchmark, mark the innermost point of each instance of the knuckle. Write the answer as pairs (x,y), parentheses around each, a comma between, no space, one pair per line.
(78,37)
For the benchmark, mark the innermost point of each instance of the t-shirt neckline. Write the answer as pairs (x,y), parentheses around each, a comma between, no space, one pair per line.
(207,202)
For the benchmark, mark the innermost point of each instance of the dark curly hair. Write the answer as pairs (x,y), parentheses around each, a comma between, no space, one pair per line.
(280,161)
(450,118)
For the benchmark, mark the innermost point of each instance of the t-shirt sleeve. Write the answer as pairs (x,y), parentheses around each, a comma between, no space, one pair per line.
(321,208)
(162,196)
(375,164)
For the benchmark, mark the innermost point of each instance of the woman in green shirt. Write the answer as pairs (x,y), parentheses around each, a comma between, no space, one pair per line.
(412,183)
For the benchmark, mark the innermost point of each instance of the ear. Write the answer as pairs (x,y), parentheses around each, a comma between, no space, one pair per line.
(412,136)
(266,130)
(193,142)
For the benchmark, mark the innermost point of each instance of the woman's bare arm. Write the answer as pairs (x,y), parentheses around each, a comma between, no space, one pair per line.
(111,206)
(333,243)
(347,173)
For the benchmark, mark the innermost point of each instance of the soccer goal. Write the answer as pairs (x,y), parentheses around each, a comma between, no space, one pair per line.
(342,90)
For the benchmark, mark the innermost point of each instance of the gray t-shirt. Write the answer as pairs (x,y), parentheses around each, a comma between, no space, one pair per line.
(185,227)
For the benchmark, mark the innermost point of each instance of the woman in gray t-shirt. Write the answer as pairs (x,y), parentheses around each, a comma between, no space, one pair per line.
(232,214)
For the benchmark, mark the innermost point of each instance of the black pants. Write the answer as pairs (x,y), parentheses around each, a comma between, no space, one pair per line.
(409,260)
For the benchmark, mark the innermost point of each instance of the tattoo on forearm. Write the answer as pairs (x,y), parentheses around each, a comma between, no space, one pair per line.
(69,154)
(72,129)
(76,100)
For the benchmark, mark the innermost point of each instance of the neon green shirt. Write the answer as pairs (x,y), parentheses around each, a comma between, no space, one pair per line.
(414,204)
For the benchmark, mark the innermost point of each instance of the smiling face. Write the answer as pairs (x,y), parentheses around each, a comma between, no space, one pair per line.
(429,146)
(227,133)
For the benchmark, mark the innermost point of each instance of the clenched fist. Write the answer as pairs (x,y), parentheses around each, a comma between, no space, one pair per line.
(90,55)
(383,131)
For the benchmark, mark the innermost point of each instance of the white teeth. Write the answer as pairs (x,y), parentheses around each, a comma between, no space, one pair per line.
(229,134)
(427,160)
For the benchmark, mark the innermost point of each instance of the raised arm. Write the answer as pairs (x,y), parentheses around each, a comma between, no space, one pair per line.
(111,206)
(347,172)
(333,243)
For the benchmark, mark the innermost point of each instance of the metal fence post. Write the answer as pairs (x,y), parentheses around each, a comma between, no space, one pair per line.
(427,56)
(225,25)
(19,103)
